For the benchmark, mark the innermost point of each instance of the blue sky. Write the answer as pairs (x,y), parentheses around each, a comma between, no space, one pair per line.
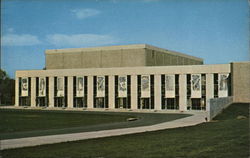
(215,30)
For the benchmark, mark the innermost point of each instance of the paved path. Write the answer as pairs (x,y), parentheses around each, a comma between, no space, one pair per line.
(51,139)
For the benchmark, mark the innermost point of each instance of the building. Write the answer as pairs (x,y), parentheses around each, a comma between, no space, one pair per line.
(116,56)
(135,77)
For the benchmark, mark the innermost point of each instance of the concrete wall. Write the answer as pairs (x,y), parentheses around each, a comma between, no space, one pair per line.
(116,56)
(86,56)
(159,58)
(216,105)
(96,59)
(241,81)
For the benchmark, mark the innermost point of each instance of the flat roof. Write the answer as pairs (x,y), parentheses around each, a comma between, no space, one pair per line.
(120,47)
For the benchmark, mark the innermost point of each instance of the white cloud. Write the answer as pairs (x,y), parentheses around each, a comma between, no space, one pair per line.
(19,40)
(85,13)
(10,30)
(80,40)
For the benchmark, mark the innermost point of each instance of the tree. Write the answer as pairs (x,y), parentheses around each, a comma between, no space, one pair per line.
(7,89)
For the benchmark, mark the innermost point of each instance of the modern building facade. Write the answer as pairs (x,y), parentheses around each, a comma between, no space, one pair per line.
(135,77)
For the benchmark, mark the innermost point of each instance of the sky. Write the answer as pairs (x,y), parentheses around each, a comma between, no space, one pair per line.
(215,30)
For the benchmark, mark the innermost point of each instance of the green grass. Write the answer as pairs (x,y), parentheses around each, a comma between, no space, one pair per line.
(27,123)
(28,120)
(225,138)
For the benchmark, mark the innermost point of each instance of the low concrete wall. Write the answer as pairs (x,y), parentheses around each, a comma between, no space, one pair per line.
(216,105)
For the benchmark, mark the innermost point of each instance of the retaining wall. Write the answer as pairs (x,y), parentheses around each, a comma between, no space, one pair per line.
(216,105)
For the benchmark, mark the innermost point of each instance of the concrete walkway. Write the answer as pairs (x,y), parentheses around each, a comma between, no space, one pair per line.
(195,119)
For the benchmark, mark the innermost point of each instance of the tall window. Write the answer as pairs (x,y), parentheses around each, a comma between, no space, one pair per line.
(216,87)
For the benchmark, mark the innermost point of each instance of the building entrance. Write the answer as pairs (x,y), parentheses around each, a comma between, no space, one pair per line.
(123,103)
(145,103)
(100,102)
(80,102)
(41,101)
(60,102)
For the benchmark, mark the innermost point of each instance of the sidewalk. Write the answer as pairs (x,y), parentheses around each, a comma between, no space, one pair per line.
(51,139)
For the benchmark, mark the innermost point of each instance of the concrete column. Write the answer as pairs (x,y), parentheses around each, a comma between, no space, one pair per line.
(33,92)
(17,92)
(209,89)
(90,103)
(51,92)
(70,92)
(111,92)
(157,92)
(183,92)
(134,92)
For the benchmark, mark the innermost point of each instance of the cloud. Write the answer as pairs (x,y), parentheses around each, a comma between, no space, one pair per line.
(80,40)
(85,13)
(10,30)
(75,40)
(19,40)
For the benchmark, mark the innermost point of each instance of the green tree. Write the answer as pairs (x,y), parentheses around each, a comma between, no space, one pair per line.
(7,89)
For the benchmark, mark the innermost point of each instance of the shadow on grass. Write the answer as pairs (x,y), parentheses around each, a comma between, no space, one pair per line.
(39,123)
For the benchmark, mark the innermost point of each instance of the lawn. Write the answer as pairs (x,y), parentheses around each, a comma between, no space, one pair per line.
(226,137)
(26,123)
